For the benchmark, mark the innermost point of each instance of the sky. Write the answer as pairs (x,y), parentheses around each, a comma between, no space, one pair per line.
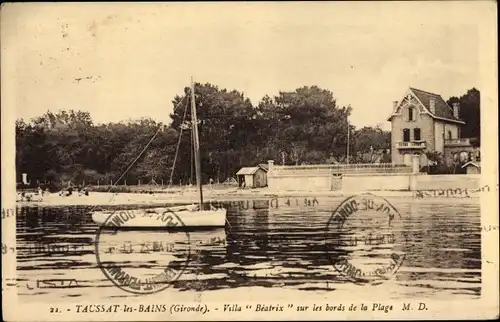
(127,61)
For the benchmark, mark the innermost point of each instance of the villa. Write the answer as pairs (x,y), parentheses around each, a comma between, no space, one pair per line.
(423,122)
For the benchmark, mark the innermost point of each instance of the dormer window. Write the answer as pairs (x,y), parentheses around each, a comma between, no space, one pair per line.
(411,114)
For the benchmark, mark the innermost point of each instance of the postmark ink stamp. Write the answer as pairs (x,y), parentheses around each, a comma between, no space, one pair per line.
(142,261)
(366,240)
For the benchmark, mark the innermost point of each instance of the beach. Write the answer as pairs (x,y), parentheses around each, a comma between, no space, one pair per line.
(180,196)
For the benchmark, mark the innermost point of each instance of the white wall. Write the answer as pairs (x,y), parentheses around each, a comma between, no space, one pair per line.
(462,181)
(248,180)
(299,182)
(375,182)
(454,131)
(438,136)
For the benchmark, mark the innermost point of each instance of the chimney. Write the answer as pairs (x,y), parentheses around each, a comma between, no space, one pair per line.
(394,105)
(456,110)
(270,164)
(432,105)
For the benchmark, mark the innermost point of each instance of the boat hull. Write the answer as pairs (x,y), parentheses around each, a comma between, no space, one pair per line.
(154,218)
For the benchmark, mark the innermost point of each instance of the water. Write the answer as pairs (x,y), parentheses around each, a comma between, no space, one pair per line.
(263,244)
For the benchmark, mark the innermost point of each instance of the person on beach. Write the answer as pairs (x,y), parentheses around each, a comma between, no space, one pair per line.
(211,183)
(25,196)
(83,191)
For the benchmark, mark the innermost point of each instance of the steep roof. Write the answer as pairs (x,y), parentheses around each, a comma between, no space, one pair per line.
(442,109)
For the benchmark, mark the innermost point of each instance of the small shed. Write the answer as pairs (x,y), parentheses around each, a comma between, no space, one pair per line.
(472,167)
(252,177)
(264,166)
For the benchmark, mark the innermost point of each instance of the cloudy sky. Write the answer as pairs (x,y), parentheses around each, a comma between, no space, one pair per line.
(126,61)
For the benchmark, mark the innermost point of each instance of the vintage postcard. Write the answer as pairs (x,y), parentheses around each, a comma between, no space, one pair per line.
(249,161)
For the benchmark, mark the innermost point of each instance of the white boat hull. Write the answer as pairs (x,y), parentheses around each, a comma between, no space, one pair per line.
(158,217)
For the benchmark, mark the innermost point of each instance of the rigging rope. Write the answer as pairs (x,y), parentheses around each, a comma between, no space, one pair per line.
(137,158)
(144,149)
(177,149)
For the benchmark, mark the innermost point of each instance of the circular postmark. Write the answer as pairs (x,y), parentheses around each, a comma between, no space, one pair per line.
(142,261)
(366,239)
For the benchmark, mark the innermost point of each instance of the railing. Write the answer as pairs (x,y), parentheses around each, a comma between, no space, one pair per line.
(343,168)
(457,142)
(410,145)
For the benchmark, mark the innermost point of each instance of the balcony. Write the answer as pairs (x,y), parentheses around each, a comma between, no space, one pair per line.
(411,145)
(457,142)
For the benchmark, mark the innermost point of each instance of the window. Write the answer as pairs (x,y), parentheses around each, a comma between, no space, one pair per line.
(410,114)
(406,135)
(416,134)
(449,135)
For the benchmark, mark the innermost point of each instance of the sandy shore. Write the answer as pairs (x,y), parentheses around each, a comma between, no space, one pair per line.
(190,196)
(187,196)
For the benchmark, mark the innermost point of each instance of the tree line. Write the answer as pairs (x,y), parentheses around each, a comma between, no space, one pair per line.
(470,113)
(305,126)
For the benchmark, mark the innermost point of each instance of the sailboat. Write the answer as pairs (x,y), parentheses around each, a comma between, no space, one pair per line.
(191,215)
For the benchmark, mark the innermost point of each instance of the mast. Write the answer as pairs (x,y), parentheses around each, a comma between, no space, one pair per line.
(196,141)
(348,130)
(191,162)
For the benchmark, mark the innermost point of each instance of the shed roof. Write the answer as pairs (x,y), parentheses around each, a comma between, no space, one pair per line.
(247,170)
(264,166)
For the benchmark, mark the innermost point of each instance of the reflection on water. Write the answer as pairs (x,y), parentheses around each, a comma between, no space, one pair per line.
(263,244)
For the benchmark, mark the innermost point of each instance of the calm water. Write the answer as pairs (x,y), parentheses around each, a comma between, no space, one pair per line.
(262,245)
